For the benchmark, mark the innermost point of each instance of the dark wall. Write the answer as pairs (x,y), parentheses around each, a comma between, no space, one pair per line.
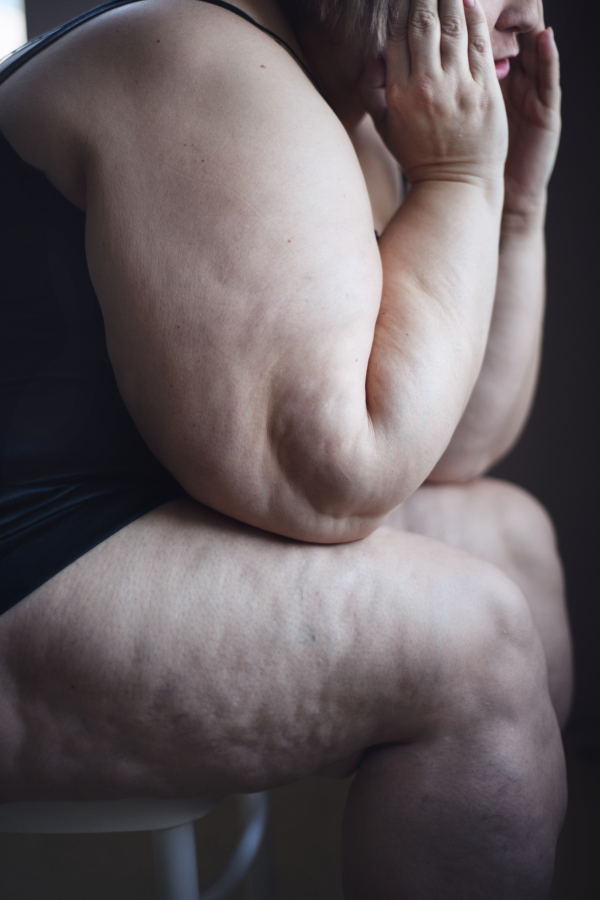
(557,456)
(43,15)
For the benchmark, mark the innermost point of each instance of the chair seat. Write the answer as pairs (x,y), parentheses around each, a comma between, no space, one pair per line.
(94,816)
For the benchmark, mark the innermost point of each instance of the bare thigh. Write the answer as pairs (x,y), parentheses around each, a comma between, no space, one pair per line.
(190,654)
(504,525)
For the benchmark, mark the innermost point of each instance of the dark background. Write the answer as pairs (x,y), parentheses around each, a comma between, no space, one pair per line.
(555,460)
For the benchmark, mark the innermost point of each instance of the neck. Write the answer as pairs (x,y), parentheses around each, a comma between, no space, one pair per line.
(337,66)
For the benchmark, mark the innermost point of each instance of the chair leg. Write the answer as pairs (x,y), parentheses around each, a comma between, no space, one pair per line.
(175,863)
(256,807)
(260,882)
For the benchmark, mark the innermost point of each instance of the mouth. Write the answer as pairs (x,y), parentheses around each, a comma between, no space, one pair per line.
(502,67)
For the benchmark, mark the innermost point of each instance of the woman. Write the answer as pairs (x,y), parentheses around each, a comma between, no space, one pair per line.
(228,612)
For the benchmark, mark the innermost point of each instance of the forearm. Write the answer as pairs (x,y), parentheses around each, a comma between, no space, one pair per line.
(447,128)
(347,464)
(439,258)
(503,393)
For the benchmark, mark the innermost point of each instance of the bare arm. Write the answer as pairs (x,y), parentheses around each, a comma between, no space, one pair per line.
(285,372)
(502,397)
(270,422)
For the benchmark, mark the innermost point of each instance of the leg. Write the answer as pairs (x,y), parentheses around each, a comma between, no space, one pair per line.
(190,654)
(502,524)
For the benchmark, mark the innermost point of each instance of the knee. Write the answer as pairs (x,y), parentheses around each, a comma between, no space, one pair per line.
(526,548)
(505,703)
(496,670)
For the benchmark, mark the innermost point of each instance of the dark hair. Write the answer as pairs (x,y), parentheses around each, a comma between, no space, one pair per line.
(370,20)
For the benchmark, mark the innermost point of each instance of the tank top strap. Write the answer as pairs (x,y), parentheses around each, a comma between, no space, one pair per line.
(238,12)
(23,54)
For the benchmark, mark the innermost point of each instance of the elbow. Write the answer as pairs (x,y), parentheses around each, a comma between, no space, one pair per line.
(320,474)
(324,529)
(329,503)
(313,481)
(342,491)
(313,498)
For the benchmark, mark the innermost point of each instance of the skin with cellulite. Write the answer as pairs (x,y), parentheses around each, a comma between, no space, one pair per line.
(343,591)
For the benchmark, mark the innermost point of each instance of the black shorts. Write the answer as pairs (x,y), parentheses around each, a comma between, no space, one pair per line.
(73,467)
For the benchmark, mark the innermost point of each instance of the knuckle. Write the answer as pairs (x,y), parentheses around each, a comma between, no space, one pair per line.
(452,26)
(398,31)
(394,96)
(423,21)
(479,44)
(425,92)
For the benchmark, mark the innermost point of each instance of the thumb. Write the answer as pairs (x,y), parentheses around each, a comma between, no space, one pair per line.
(371,87)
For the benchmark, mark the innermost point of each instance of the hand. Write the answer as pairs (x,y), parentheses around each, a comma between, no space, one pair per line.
(532,97)
(436,100)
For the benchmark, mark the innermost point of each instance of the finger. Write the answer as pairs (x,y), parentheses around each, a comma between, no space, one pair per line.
(424,37)
(481,58)
(548,70)
(529,44)
(454,38)
(371,88)
(397,52)
(398,20)
(542,21)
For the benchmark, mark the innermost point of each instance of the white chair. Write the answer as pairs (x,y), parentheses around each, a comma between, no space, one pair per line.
(171,823)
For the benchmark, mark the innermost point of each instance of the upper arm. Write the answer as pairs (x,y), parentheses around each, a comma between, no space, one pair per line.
(231,245)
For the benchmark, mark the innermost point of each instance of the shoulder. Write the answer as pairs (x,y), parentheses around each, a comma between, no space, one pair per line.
(149,68)
(229,237)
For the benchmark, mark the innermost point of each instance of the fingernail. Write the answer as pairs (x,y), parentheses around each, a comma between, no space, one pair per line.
(470,4)
(551,33)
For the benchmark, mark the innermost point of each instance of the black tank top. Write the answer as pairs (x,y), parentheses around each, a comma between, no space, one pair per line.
(73,467)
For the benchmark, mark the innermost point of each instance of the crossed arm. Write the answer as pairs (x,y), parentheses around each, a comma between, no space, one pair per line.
(284,370)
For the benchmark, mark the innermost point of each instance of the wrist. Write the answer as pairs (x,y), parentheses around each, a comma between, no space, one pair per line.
(481,198)
(524,218)
(488,182)
(522,223)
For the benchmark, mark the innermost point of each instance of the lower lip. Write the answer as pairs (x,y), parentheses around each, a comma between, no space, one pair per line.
(502,68)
